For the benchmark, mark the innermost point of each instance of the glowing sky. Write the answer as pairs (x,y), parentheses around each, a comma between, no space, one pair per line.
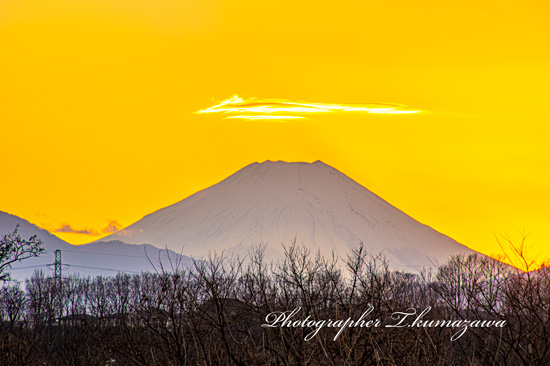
(100,101)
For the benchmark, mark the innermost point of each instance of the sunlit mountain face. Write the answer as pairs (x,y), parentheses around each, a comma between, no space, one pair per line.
(275,204)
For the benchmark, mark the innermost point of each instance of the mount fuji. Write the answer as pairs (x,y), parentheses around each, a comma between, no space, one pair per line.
(275,203)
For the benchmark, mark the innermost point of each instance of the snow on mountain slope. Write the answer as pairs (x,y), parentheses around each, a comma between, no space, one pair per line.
(106,258)
(274,202)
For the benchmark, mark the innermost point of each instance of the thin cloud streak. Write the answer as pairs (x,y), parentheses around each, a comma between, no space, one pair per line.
(266,117)
(112,227)
(68,229)
(281,109)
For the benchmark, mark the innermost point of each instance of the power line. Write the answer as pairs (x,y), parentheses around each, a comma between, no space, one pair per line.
(163,251)
(110,254)
(27,267)
(136,256)
(105,269)
(76,265)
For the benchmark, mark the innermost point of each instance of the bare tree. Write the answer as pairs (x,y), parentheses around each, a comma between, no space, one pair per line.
(13,248)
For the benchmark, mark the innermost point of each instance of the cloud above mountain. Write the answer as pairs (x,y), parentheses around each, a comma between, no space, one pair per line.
(112,227)
(283,109)
(66,228)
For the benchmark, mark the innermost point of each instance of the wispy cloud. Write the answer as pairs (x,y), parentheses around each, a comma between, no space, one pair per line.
(69,229)
(112,227)
(282,109)
(252,117)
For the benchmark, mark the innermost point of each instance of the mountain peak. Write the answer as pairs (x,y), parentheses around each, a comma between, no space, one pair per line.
(274,202)
(282,162)
(288,168)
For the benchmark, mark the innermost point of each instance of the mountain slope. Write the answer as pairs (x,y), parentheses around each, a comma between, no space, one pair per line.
(274,202)
(106,258)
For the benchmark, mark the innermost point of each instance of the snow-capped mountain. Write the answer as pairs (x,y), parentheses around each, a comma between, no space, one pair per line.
(273,203)
(106,258)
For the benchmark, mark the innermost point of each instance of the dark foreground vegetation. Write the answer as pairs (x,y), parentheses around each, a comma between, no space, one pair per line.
(211,314)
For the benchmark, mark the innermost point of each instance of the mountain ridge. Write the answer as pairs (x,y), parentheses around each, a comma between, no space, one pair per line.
(105,258)
(275,201)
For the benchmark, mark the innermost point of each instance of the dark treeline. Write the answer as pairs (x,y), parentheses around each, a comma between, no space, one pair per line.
(211,314)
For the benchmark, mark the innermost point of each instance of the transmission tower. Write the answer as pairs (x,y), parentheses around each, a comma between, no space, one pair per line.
(58,265)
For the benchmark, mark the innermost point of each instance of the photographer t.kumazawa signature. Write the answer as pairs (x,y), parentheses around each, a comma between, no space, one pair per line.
(403,319)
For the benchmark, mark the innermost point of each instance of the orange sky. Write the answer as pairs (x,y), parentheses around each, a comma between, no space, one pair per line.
(98,102)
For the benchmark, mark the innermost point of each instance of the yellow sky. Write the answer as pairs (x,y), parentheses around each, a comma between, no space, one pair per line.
(98,100)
